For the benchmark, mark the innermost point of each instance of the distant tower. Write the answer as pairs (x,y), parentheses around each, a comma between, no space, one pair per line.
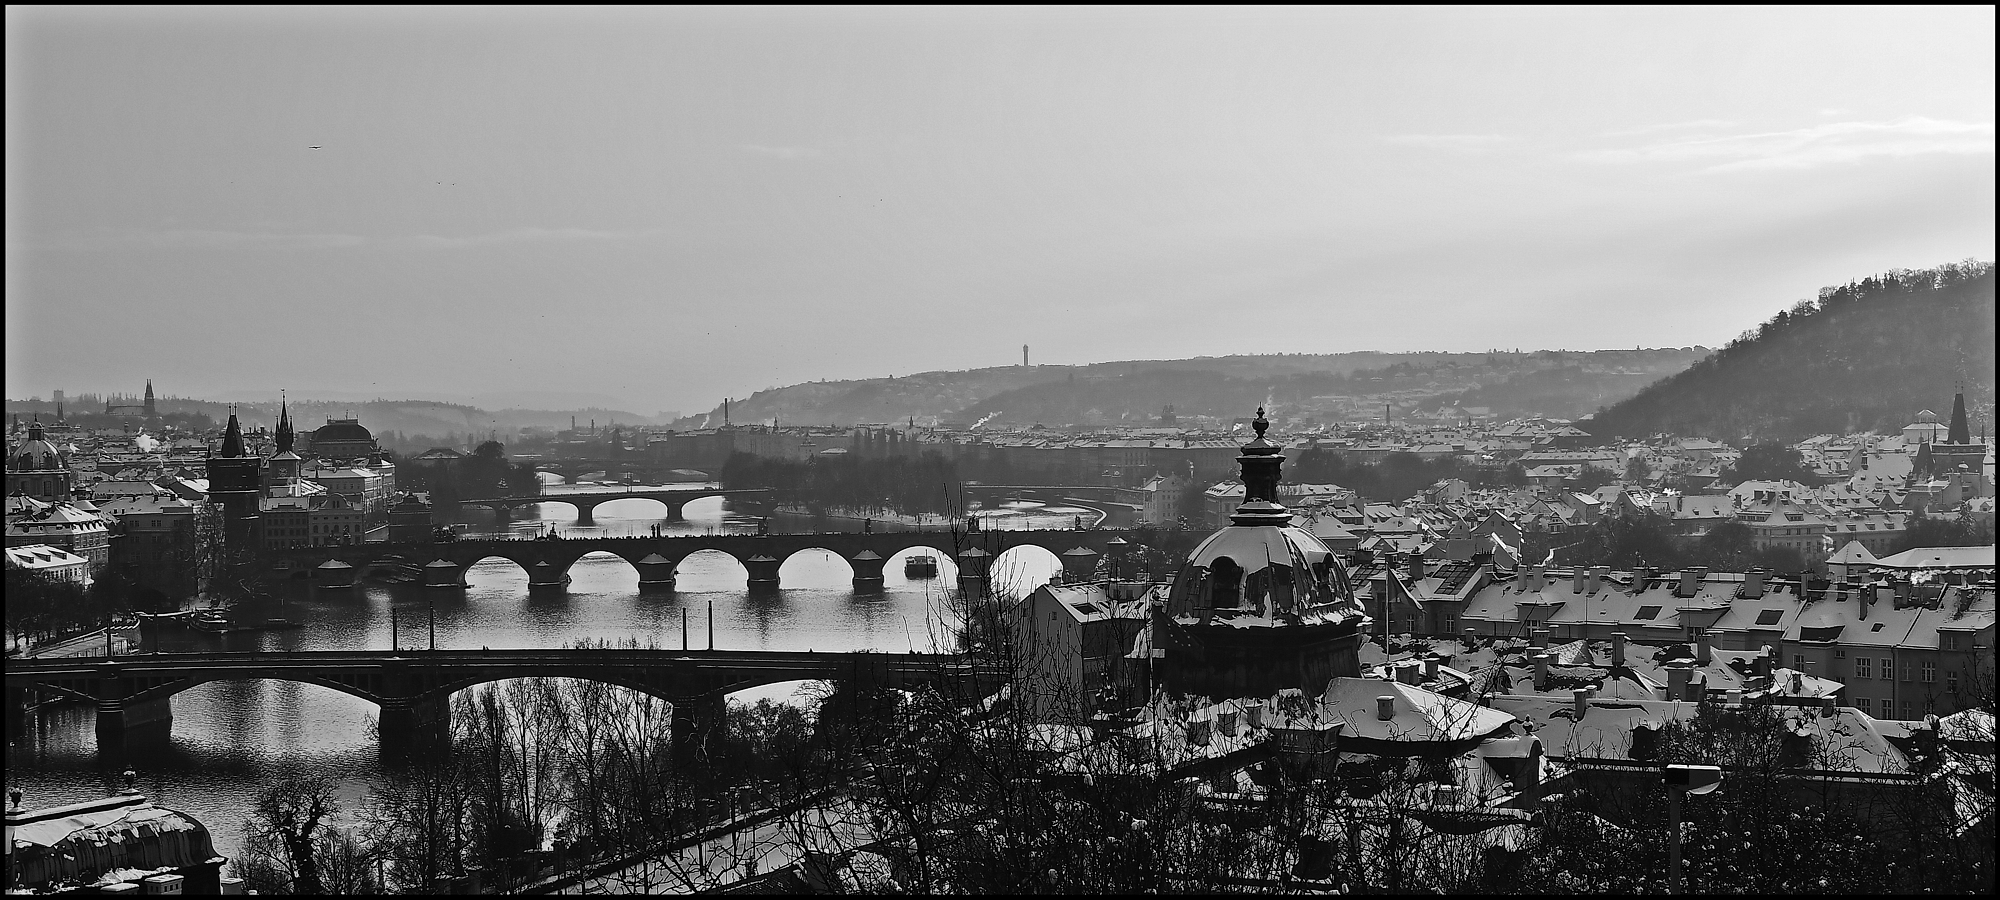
(1024,356)
(725,411)
(152,409)
(233,485)
(285,464)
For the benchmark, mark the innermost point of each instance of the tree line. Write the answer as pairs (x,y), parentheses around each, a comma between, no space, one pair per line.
(926,483)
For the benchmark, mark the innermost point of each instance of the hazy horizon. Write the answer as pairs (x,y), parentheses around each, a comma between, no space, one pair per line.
(666,207)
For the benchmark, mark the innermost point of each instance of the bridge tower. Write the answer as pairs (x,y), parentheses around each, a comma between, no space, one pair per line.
(233,486)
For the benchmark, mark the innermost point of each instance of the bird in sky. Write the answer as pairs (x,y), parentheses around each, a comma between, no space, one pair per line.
(315,148)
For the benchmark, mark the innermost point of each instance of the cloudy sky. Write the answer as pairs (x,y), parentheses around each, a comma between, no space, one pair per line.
(666,207)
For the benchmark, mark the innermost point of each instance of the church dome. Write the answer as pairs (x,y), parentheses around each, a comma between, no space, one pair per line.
(342,430)
(1261,569)
(36,454)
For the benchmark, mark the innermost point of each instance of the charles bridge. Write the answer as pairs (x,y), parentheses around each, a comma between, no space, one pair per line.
(547,561)
(413,688)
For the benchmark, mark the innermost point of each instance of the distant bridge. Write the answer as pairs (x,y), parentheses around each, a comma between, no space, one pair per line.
(413,688)
(547,562)
(586,502)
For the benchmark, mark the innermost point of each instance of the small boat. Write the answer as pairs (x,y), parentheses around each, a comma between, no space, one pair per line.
(177,619)
(920,565)
(213,621)
(277,623)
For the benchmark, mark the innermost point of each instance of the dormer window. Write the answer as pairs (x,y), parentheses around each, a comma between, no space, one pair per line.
(1225,579)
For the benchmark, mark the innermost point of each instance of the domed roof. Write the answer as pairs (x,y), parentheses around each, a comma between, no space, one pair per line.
(36,454)
(1261,569)
(342,430)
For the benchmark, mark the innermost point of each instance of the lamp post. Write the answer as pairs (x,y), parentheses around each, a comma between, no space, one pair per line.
(1683,780)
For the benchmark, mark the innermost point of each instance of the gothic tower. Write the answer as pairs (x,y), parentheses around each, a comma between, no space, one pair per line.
(233,486)
(152,409)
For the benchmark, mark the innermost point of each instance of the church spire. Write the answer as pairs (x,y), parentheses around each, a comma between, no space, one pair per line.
(152,411)
(1961,432)
(285,437)
(232,437)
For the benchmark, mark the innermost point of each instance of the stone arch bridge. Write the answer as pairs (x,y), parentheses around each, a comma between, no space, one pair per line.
(413,688)
(547,562)
(586,502)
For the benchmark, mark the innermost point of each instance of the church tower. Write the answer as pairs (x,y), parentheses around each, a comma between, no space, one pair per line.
(284,464)
(1261,605)
(152,409)
(233,486)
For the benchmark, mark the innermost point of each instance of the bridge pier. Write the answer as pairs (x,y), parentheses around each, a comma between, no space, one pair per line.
(443,573)
(656,572)
(867,569)
(1079,563)
(545,575)
(583,513)
(763,570)
(674,512)
(697,730)
(409,728)
(972,572)
(121,724)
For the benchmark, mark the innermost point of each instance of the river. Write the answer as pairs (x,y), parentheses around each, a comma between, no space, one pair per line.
(229,738)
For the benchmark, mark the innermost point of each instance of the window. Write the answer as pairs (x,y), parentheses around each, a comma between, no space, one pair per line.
(1770,616)
(1799,661)
(1839,654)
(1646,613)
(1862,703)
(1888,668)
(1909,710)
(1930,671)
(1948,641)
(1861,667)
(1951,682)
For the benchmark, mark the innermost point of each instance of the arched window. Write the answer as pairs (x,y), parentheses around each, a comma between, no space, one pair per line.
(1225,580)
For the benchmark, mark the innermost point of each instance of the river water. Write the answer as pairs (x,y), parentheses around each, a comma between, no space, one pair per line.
(229,738)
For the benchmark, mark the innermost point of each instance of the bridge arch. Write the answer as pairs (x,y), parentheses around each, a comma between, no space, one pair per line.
(191,682)
(489,572)
(604,570)
(710,570)
(1022,568)
(815,567)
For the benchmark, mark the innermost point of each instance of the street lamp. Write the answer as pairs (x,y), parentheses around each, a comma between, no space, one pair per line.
(1680,780)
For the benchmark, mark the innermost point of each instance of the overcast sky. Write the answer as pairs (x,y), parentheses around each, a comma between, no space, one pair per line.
(668,206)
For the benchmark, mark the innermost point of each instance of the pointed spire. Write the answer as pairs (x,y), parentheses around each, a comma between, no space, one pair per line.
(149,391)
(1960,432)
(232,437)
(285,436)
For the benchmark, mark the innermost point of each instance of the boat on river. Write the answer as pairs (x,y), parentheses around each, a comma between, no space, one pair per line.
(213,621)
(920,565)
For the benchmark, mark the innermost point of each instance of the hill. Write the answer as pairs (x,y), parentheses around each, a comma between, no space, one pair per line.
(1323,387)
(1862,356)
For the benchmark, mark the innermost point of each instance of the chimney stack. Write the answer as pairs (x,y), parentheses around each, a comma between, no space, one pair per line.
(1704,649)
(1599,576)
(1826,707)
(1618,648)
(1416,565)
(1385,707)
(1471,639)
(1579,578)
(1542,671)
(1753,584)
(1735,698)
(1581,697)
(1430,669)
(1678,678)
(1691,581)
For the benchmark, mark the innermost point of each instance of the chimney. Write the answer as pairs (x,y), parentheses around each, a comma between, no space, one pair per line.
(1225,721)
(1599,576)
(1618,648)
(1253,713)
(1581,698)
(1541,637)
(1537,579)
(1430,670)
(1578,579)
(1735,698)
(1753,584)
(1677,682)
(1826,707)
(1764,656)
(1197,731)
(1471,639)
(1798,682)
(1385,707)
(1691,581)
(1704,649)
(1416,565)
(1641,576)
(1542,671)
(1902,593)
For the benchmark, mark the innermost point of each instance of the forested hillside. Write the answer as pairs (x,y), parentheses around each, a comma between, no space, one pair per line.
(1861,356)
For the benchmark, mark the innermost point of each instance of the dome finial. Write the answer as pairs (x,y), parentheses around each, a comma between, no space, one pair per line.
(1260,423)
